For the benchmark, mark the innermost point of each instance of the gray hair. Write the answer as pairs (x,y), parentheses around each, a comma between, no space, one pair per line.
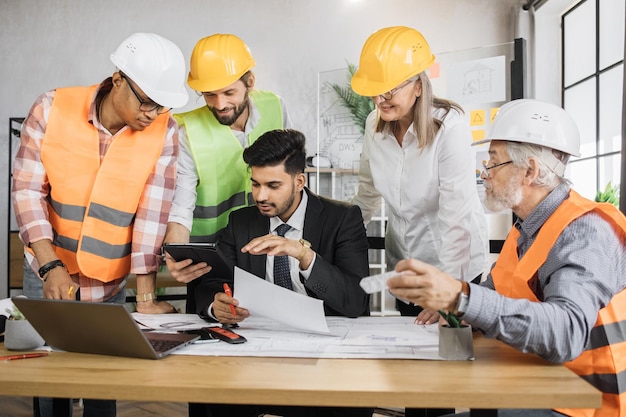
(425,124)
(550,162)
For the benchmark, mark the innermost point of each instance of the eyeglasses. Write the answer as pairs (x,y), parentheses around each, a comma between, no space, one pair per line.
(145,106)
(389,94)
(486,168)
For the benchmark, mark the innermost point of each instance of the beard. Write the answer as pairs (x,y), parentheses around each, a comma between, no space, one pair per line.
(281,209)
(508,197)
(237,111)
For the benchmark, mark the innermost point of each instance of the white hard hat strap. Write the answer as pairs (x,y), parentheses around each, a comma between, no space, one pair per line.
(552,161)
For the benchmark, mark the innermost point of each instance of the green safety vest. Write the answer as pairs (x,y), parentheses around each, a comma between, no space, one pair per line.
(224,181)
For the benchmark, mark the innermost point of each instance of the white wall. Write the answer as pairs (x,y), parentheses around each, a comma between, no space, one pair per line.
(53,43)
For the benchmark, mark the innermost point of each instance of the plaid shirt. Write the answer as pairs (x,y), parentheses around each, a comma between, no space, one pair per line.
(31,188)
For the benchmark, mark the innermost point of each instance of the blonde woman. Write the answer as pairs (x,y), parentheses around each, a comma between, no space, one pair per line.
(417,157)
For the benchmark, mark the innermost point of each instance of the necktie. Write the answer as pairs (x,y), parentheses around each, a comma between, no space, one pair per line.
(282,276)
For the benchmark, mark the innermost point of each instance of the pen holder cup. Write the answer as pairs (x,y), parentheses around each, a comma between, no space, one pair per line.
(20,335)
(456,343)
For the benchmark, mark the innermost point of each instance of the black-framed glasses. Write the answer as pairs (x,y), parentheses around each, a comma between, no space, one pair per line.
(389,94)
(145,106)
(486,168)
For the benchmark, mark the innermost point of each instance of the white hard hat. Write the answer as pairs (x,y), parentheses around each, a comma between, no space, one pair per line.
(156,65)
(535,122)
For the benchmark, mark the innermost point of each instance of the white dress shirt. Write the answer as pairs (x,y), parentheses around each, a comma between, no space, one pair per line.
(296,221)
(434,213)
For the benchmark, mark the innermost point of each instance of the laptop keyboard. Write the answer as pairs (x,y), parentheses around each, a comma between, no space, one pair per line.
(164,345)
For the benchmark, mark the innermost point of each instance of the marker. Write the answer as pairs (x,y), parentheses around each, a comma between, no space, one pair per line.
(23,356)
(230,294)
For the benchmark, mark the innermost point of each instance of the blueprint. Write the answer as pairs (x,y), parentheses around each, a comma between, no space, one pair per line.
(363,337)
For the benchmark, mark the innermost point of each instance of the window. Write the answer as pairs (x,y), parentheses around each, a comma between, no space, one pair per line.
(593,61)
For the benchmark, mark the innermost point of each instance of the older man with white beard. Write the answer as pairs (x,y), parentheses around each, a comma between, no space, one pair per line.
(557,288)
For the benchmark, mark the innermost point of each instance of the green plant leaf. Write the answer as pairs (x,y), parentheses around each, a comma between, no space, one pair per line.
(359,106)
(609,195)
(453,321)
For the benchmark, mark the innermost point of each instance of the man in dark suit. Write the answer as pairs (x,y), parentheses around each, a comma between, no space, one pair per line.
(325,245)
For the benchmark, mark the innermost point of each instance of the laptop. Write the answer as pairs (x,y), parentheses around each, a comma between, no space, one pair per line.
(99,328)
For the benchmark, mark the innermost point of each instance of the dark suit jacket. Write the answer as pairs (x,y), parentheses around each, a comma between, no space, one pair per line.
(337,234)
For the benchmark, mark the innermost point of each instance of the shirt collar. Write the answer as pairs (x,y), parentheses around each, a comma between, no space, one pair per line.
(296,221)
(409,136)
(253,117)
(541,213)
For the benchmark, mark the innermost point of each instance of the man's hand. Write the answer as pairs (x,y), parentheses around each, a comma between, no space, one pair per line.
(185,271)
(427,316)
(425,285)
(57,285)
(222,311)
(273,245)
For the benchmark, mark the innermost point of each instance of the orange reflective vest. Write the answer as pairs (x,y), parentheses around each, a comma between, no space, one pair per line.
(604,358)
(92,203)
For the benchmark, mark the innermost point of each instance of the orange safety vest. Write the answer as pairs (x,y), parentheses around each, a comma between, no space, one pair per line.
(604,357)
(92,203)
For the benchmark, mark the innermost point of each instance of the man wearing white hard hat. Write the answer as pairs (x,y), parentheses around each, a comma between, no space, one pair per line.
(94,178)
(557,288)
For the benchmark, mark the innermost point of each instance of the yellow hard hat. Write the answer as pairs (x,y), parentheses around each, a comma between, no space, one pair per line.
(389,57)
(217,61)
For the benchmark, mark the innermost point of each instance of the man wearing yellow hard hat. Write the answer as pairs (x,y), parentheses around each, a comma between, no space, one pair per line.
(212,178)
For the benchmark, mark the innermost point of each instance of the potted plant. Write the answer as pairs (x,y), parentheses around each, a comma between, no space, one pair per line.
(609,195)
(455,339)
(359,106)
(19,334)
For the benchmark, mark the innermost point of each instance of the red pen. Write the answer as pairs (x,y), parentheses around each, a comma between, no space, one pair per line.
(230,294)
(23,356)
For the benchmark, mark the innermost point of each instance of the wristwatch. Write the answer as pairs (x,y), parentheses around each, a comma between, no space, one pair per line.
(463,301)
(305,245)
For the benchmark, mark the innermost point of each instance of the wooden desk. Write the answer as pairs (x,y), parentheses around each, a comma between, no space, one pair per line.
(499,377)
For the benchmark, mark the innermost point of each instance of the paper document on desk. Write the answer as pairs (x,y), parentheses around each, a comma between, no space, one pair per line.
(363,337)
(265,299)
(170,322)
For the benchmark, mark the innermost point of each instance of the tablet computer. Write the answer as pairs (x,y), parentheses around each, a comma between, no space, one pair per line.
(200,252)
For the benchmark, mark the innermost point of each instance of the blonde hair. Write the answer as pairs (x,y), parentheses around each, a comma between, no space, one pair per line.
(425,124)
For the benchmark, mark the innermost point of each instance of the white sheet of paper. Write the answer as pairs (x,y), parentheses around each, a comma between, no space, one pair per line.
(170,322)
(363,337)
(265,299)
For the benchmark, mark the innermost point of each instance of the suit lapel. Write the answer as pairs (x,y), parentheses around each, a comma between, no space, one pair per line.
(260,226)
(313,220)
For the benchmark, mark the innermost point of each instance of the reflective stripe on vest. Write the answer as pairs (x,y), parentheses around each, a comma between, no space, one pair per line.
(224,180)
(603,363)
(92,202)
